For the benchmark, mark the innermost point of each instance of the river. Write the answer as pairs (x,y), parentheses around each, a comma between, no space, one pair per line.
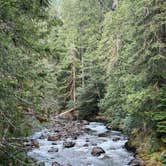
(112,142)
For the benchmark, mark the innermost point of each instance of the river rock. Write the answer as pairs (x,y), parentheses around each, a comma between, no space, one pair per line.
(97,151)
(56,131)
(54,143)
(28,146)
(130,147)
(35,143)
(53,137)
(68,144)
(88,130)
(109,126)
(84,122)
(42,137)
(87,140)
(55,164)
(85,145)
(52,150)
(102,135)
(74,137)
(136,162)
(94,144)
(116,139)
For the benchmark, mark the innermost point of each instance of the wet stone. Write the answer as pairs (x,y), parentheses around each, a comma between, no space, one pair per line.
(54,143)
(53,150)
(42,137)
(109,126)
(56,130)
(68,144)
(136,162)
(102,135)
(85,145)
(94,144)
(97,151)
(53,137)
(35,143)
(116,139)
(74,137)
(88,130)
(56,164)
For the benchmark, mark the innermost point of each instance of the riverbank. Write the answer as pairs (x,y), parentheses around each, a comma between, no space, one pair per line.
(150,152)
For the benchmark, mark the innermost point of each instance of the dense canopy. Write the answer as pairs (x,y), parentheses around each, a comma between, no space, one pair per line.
(99,57)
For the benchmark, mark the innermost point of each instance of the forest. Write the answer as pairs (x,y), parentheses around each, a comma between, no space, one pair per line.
(105,60)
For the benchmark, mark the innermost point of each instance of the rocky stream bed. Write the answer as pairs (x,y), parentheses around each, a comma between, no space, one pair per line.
(80,143)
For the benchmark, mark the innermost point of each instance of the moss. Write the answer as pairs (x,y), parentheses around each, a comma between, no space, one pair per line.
(147,146)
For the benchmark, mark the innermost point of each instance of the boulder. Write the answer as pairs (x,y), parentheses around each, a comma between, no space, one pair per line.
(53,150)
(136,162)
(116,139)
(85,145)
(54,143)
(53,137)
(102,134)
(88,130)
(56,131)
(109,126)
(130,147)
(35,143)
(97,151)
(68,144)
(74,137)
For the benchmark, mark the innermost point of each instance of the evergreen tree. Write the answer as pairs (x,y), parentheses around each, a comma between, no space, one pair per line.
(24,71)
(135,61)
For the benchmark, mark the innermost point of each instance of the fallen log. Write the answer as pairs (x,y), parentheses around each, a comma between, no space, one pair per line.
(70,114)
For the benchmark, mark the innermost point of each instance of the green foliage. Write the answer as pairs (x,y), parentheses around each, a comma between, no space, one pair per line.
(159,116)
(97,56)
(26,72)
(87,102)
(127,45)
(80,32)
(132,50)
(154,145)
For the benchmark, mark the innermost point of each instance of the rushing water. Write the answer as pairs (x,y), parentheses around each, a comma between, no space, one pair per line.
(80,155)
